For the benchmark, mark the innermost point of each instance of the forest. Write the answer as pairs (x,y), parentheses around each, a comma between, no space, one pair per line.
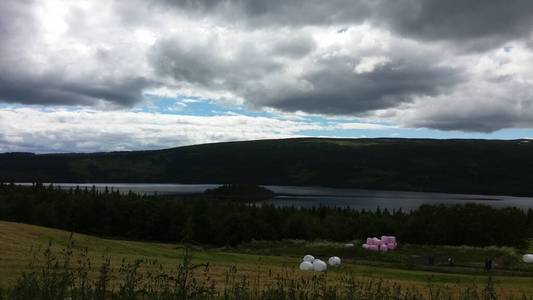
(209,221)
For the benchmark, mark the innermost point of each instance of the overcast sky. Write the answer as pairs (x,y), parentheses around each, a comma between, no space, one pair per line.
(147,74)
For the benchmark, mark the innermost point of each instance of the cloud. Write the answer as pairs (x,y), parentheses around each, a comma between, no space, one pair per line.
(472,24)
(53,88)
(336,88)
(340,76)
(469,110)
(497,95)
(85,130)
(275,13)
(448,65)
(44,62)
(363,126)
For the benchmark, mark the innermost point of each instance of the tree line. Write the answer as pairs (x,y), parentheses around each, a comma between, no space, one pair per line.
(208,221)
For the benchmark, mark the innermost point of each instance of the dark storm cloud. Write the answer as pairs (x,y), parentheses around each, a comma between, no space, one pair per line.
(482,121)
(474,115)
(338,90)
(207,65)
(479,24)
(277,12)
(23,79)
(294,45)
(52,89)
(332,86)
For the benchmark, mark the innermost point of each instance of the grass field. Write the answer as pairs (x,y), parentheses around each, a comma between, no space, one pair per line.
(20,243)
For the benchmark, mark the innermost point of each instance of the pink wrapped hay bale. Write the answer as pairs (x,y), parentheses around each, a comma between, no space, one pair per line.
(376,241)
(373,247)
(388,239)
(386,243)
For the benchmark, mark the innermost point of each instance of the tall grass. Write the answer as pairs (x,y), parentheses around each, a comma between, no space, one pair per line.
(70,274)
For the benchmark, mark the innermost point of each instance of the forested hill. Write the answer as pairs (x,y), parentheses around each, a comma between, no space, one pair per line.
(460,166)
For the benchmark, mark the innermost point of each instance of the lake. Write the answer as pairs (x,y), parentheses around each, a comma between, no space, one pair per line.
(320,196)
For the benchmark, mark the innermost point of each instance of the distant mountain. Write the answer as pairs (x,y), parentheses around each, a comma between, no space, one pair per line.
(458,166)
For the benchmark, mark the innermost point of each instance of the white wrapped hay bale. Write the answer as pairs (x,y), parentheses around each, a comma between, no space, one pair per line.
(309,258)
(306,266)
(319,265)
(334,261)
(528,258)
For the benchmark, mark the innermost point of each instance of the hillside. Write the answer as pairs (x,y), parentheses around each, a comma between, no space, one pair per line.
(21,244)
(459,166)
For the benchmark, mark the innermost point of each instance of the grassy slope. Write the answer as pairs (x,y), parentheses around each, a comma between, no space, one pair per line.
(469,166)
(18,240)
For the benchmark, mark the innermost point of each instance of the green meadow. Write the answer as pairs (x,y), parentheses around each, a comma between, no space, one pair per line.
(22,247)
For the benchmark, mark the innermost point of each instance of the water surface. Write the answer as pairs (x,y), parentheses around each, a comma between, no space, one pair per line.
(320,196)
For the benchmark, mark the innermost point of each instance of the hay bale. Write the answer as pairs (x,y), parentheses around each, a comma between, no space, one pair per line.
(334,261)
(319,265)
(309,258)
(373,247)
(306,266)
(528,258)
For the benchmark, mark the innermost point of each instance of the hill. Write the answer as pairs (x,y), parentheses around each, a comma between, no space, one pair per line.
(21,243)
(458,166)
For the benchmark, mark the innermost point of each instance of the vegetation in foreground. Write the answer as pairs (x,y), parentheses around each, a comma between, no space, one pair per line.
(452,166)
(69,275)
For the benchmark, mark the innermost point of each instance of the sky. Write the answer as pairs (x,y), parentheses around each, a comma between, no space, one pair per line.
(112,75)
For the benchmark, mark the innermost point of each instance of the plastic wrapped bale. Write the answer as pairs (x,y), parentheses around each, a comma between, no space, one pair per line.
(334,261)
(306,266)
(383,248)
(365,246)
(373,247)
(349,245)
(388,239)
(369,241)
(319,265)
(377,241)
(391,246)
(309,258)
(528,258)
